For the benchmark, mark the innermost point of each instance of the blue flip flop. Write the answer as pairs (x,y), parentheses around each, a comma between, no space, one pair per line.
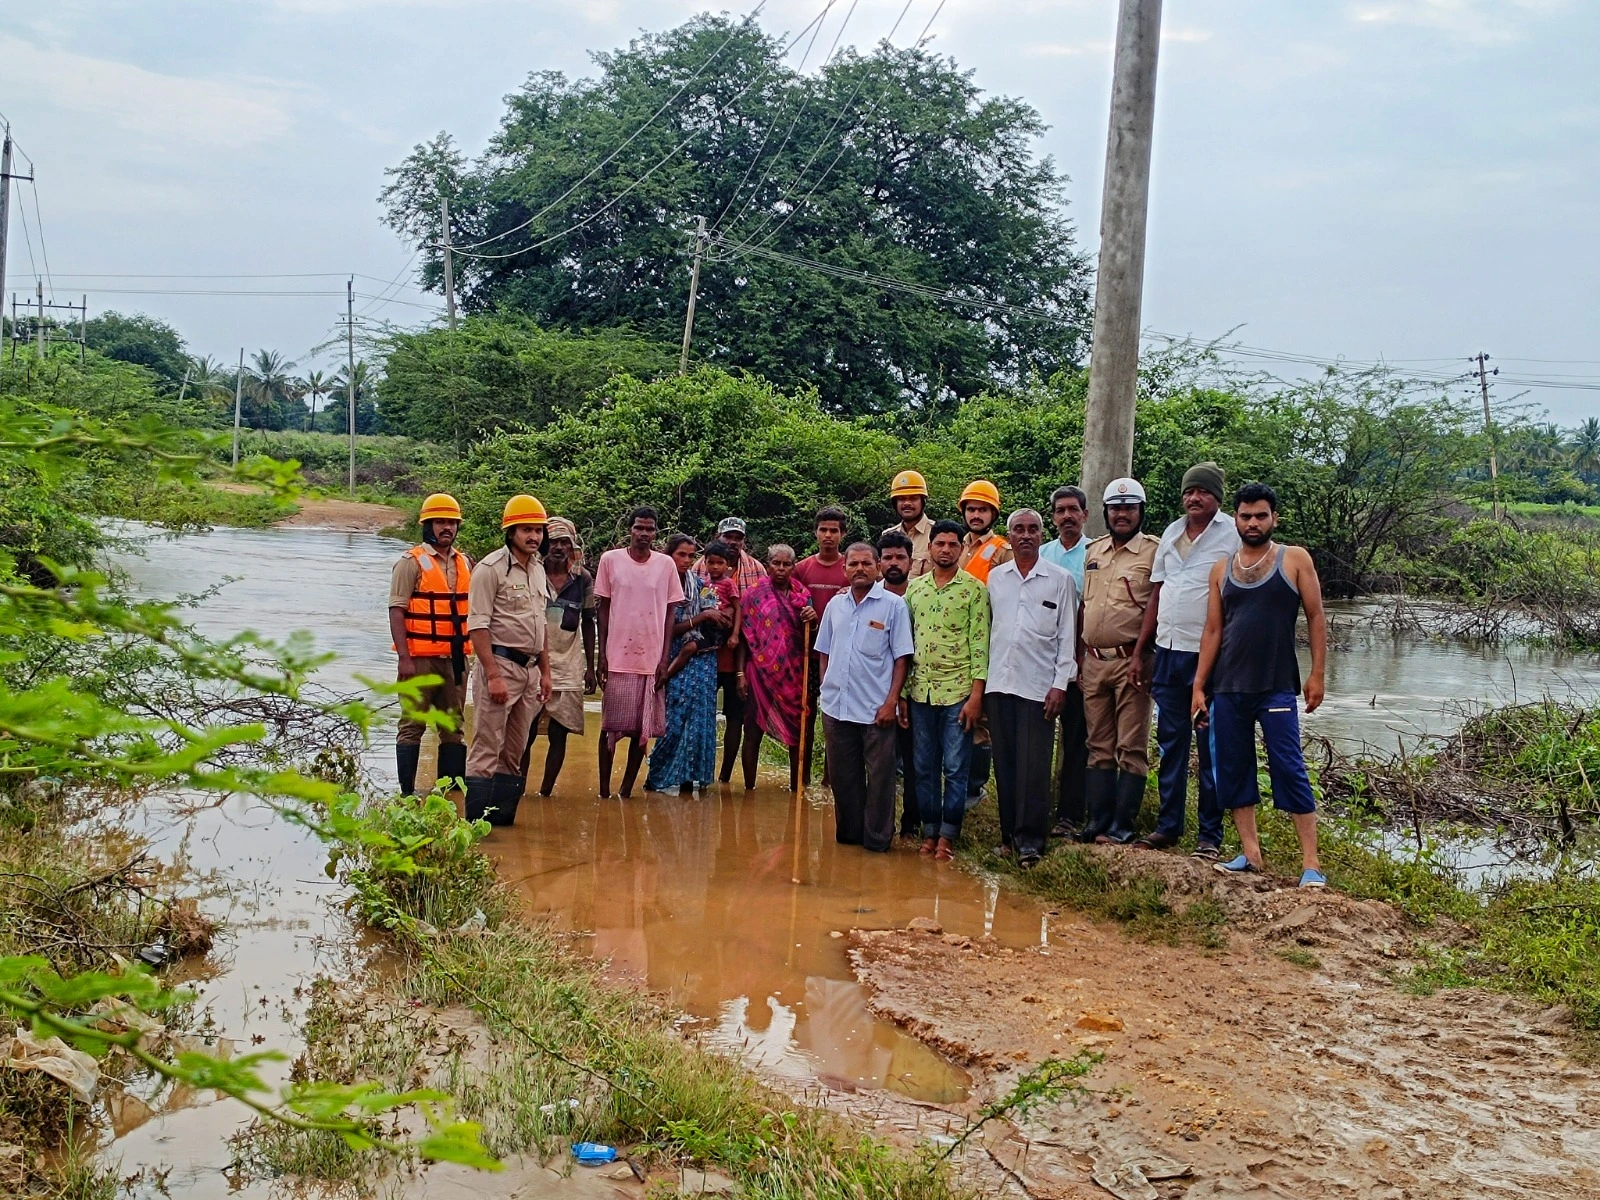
(1234,866)
(1313,878)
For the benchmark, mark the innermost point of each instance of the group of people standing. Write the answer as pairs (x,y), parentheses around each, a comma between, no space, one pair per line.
(940,654)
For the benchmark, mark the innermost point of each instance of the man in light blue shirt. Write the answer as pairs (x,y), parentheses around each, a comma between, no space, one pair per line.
(1069,508)
(864,645)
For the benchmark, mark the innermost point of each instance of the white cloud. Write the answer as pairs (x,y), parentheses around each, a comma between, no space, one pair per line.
(1480,22)
(1189,34)
(1091,47)
(163,112)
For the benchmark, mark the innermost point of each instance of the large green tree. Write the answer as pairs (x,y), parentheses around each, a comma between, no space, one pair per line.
(892,163)
(142,340)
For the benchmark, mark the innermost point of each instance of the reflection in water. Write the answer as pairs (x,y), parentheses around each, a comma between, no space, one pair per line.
(694,896)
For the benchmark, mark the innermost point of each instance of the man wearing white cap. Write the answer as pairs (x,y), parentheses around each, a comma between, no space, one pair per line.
(1116,593)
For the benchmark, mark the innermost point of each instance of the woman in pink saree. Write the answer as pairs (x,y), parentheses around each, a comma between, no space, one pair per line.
(772,661)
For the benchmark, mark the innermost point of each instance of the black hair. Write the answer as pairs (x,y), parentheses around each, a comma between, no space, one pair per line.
(677,540)
(832,513)
(643,513)
(428,534)
(1254,493)
(947,526)
(862,545)
(719,548)
(893,539)
(1068,489)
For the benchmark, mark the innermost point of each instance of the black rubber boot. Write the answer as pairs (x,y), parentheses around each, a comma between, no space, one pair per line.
(452,760)
(480,796)
(508,791)
(1130,795)
(1099,801)
(405,765)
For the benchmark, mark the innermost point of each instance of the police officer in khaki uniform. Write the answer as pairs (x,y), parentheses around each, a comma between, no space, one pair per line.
(1116,592)
(506,620)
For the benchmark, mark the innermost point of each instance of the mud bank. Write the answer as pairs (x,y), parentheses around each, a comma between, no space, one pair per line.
(1264,1077)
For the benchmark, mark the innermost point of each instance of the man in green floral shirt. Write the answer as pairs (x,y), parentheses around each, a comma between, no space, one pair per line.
(950,626)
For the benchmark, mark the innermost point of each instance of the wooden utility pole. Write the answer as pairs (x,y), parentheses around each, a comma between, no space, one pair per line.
(1119,281)
(238,406)
(1482,360)
(350,360)
(449,264)
(694,292)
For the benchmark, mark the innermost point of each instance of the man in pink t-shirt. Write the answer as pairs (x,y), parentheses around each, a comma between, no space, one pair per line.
(637,589)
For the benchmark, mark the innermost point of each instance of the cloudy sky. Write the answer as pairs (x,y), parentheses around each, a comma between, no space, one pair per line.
(1413,180)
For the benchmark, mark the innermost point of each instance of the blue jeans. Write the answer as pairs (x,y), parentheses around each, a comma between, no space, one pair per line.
(1234,716)
(1172,687)
(942,753)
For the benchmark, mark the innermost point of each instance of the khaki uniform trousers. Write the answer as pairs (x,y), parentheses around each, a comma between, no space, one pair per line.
(1117,715)
(448,696)
(500,731)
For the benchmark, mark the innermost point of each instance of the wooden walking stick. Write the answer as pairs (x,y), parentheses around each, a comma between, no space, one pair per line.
(802,749)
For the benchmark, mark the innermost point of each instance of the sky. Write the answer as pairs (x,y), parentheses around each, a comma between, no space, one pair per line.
(1405,180)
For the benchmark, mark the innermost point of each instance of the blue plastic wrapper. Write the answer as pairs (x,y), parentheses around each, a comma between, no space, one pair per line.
(593,1154)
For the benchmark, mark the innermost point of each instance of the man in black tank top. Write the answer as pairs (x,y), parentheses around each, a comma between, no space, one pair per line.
(1249,674)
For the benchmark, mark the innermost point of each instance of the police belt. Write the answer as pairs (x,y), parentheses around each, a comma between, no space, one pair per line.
(1104,653)
(517,656)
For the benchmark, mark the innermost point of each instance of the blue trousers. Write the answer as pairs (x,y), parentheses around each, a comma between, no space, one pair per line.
(943,755)
(1172,688)
(1234,717)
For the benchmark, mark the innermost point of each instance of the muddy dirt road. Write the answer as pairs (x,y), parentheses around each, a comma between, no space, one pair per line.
(1266,1078)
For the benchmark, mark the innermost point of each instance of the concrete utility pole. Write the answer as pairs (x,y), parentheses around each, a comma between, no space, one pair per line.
(1119,282)
(694,292)
(39,291)
(449,264)
(350,360)
(1488,428)
(5,210)
(238,406)
(83,332)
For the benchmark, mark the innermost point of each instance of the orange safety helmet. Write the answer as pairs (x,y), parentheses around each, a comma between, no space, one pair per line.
(523,510)
(982,492)
(440,507)
(908,483)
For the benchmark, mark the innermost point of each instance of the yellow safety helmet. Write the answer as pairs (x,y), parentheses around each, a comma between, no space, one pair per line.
(523,510)
(982,492)
(440,507)
(908,483)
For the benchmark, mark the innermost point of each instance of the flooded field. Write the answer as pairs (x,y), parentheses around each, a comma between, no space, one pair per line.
(732,905)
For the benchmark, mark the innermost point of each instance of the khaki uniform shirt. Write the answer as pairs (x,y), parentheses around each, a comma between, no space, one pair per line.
(403,579)
(509,600)
(921,564)
(1116,589)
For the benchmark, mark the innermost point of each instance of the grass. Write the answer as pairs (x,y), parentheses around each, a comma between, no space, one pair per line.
(548,1030)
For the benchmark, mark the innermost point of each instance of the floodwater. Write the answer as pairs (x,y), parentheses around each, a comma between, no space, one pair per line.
(694,896)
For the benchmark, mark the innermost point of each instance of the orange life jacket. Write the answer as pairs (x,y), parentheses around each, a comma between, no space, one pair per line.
(982,560)
(436,618)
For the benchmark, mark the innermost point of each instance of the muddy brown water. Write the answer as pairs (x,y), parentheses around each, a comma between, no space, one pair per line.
(695,897)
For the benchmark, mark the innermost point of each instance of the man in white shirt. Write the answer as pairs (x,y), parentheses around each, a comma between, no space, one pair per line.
(864,645)
(1175,619)
(1032,658)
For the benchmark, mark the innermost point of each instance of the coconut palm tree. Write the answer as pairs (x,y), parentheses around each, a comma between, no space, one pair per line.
(315,385)
(271,387)
(1584,447)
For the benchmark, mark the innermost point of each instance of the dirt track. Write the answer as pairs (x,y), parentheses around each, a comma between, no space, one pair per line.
(1269,1079)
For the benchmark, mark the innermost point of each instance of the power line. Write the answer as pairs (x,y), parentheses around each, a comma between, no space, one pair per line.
(650,120)
(39,223)
(620,196)
(398,275)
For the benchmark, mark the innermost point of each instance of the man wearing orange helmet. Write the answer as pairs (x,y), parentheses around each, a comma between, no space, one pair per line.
(428,621)
(909,495)
(984,549)
(506,621)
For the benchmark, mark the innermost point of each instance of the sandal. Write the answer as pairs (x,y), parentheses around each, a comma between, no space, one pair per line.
(1206,852)
(1313,878)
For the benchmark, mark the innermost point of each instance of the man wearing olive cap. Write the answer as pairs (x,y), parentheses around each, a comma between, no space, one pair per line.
(1116,593)
(570,607)
(1179,591)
